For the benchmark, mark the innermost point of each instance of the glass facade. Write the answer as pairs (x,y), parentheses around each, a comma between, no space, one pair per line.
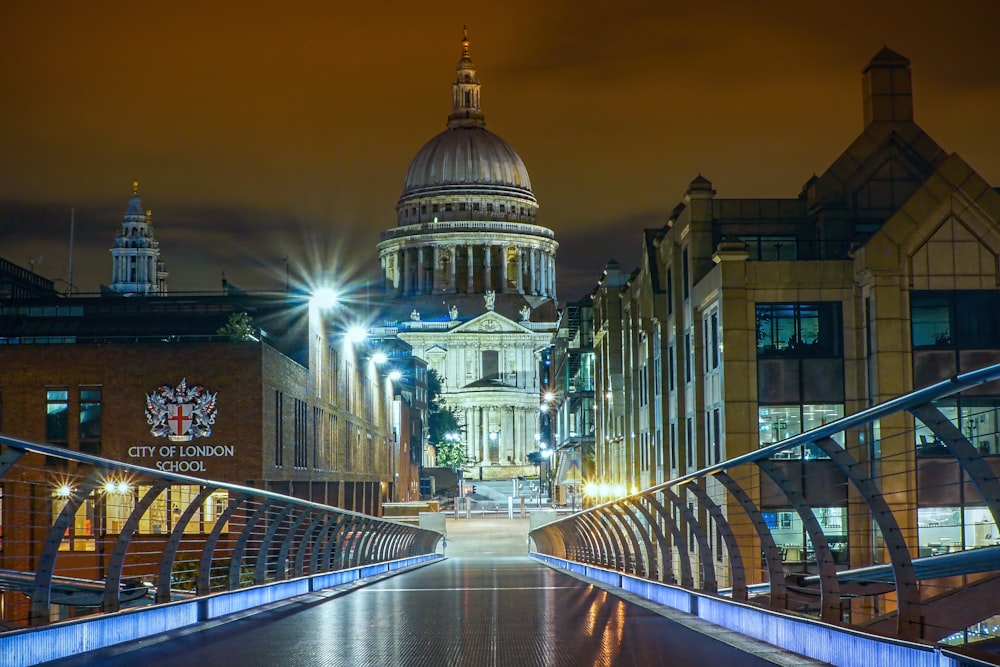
(56,415)
(799,329)
(967,319)
(790,535)
(977,419)
(780,422)
(943,530)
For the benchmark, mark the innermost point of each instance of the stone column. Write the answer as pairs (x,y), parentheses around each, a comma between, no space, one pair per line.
(420,288)
(512,444)
(519,283)
(548,275)
(533,271)
(503,269)
(552,277)
(470,432)
(488,267)
(436,259)
(405,281)
(398,268)
(452,268)
(470,271)
(484,435)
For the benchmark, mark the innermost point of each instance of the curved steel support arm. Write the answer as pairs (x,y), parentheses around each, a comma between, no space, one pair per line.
(708,581)
(112,579)
(164,579)
(680,540)
(772,554)
(208,555)
(829,585)
(972,462)
(42,589)
(737,572)
(274,525)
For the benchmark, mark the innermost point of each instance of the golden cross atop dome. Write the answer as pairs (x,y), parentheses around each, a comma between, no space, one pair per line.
(465,41)
(135,187)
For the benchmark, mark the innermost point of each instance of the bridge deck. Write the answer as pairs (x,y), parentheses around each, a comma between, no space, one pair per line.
(462,611)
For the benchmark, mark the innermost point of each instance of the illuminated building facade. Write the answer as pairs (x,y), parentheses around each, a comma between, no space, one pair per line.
(470,280)
(294,408)
(752,320)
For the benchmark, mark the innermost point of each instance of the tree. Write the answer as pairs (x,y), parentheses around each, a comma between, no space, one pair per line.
(444,432)
(238,327)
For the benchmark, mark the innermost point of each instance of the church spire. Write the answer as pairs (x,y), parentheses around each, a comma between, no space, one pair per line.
(136,264)
(465,111)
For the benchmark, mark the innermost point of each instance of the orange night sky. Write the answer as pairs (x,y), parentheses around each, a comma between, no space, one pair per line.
(260,130)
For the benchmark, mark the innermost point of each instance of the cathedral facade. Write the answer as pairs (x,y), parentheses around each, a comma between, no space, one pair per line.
(470,281)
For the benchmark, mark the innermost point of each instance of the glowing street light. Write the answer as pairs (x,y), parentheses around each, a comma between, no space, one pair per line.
(357,334)
(395,375)
(324,298)
(380,357)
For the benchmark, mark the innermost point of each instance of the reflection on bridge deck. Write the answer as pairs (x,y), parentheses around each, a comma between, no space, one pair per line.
(464,611)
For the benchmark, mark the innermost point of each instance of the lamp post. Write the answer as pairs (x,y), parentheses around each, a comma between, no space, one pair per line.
(543,455)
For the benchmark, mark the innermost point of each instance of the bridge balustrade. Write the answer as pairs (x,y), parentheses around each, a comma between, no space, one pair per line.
(884,521)
(81,535)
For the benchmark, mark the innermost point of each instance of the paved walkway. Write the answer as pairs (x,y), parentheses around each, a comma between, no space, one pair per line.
(493,538)
(472,611)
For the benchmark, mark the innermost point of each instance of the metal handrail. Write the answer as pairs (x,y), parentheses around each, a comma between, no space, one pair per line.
(885,560)
(260,536)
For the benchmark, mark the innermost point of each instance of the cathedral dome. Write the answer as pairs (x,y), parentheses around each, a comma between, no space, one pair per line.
(466,173)
(466,157)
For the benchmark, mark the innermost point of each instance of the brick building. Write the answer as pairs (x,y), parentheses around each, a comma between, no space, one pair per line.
(295,409)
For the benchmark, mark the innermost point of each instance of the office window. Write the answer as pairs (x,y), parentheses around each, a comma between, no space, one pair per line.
(799,329)
(79,534)
(977,418)
(717,435)
(90,420)
(968,319)
(771,248)
(279,444)
(671,380)
(301,433)
(780,422)
(715,340)
(690,443)
(56,415)
(673,446)
(688,374)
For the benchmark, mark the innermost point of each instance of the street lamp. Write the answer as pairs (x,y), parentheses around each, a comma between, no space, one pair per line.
(543,455)
(324,298)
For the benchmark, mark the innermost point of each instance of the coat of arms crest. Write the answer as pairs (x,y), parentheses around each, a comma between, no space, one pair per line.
(181,413)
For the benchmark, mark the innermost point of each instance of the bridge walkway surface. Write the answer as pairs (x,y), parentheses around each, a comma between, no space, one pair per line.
(492,609)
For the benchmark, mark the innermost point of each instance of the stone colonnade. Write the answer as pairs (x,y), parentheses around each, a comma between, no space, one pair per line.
(500,434)
(141,260)
(469,269)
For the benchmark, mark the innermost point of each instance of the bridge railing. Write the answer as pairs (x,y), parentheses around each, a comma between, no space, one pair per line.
(884,520)
(82,535)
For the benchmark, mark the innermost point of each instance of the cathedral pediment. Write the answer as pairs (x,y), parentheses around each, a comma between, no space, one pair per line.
(491,322)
